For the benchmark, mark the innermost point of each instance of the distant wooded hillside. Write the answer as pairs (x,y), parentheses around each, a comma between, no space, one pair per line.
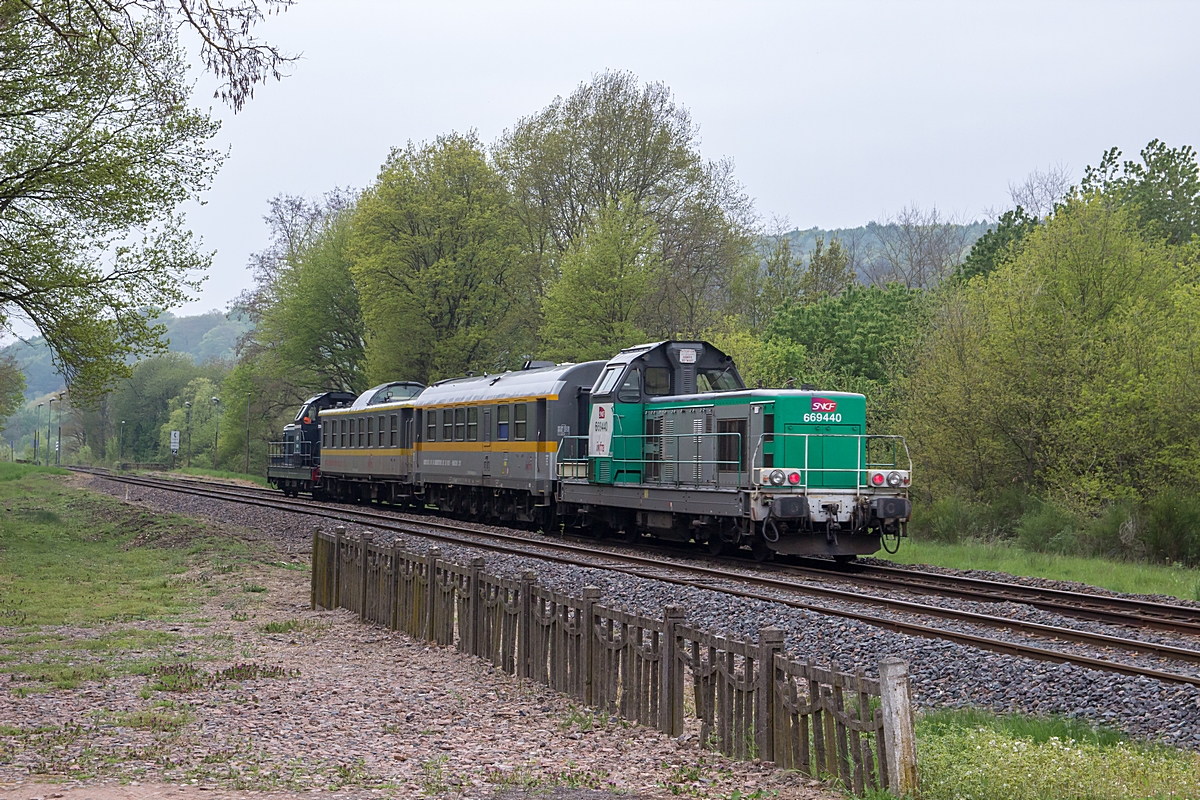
(204,337)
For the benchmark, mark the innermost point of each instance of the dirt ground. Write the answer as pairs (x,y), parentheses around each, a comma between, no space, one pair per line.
(254,693)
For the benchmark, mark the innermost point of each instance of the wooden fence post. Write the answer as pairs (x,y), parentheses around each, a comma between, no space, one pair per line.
(339,533)
(474,605)
(394,589)
(316,552)
(770,642)
(431,560)
(899,735)
(591,594)
(364,542)
(525,626)
(671,683)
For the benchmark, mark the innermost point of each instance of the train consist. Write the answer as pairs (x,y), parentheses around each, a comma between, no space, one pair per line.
(664,439)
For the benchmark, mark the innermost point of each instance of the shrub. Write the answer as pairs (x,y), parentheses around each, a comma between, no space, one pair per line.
(1048,528)
(1172,529)
(948,519)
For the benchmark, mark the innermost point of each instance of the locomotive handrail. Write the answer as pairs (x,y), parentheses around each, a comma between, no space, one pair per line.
(675,462)
(290,454)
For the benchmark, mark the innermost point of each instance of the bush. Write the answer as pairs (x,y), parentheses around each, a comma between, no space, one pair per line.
(1172,529)
(948,520)
(1048,528)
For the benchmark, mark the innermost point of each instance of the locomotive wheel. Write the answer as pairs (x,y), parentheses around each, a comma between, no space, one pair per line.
(759,549)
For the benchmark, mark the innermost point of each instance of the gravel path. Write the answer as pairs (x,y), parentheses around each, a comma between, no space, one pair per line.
(944,673)
(356,710)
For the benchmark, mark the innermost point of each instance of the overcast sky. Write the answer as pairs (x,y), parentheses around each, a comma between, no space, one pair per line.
(834,113)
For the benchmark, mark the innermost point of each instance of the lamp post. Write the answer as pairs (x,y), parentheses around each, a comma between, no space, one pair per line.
(188,406)
(121,445)
(247,468)
(217,435)
(58,446)
(37,432)
(49,427)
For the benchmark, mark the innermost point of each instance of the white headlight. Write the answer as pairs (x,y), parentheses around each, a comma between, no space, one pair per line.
(777,477)
(894,480)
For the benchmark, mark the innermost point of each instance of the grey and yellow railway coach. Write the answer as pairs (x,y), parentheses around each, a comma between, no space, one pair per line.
(367,447)
(487,446)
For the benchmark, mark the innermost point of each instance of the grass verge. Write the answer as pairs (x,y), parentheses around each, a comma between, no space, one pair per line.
(968,754)
(216,473)
(1119,576)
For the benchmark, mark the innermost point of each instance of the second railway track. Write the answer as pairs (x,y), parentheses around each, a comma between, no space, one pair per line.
(777,589)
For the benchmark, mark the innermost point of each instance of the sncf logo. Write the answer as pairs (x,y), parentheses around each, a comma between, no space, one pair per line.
(823,404)
(601,410)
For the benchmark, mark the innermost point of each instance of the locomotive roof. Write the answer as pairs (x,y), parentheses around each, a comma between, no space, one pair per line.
(750,394)
(516,385)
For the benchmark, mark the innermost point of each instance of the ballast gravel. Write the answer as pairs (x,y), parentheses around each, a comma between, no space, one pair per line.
(944,674)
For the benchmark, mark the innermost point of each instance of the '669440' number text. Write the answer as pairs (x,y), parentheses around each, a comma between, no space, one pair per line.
(822,417)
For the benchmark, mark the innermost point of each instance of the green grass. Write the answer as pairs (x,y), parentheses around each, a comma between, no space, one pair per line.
(74,557)
(12,472)
(1120,576)
(217,473)
(974,755)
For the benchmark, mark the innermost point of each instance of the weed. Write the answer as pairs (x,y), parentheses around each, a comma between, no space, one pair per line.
(254,588)
(582,720)
(240,616)
(287,626)
(433,775)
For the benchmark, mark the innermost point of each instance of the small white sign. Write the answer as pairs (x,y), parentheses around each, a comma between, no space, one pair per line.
(687,356)
(600,431)
(175,442)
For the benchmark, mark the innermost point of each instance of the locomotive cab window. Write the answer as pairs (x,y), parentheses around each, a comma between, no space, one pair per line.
(447,425)
(717,380)
(631,389)
(658,381)
(519,422)
(502,423)
(460,424)
(608,381)
(472,424)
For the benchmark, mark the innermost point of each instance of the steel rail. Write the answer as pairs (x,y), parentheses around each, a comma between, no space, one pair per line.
(645,567)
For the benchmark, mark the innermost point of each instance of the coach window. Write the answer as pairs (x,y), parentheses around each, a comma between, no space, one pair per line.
(362,433)
(460,424)
(370,431)
(395,431)
(472,424)
(353,428)
(631,389)
(431,425)
(382,435)
(447,425)
(502,423)
(519,422)
(342,432)
(658,381)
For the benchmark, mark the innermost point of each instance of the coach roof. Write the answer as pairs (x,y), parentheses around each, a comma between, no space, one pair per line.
(524,384)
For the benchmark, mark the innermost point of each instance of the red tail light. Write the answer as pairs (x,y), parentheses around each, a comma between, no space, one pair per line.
(793,478)
(877,479)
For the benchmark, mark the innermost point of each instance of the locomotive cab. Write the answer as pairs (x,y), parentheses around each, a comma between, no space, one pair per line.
(294,463)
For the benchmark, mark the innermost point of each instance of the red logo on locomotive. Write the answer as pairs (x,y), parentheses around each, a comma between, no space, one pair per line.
(823,404)
(601,410)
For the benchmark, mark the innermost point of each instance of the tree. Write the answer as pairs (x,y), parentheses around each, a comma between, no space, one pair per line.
(597,305)
(613,140)
(97,150)
(1164,188)
(437,264)
(1001,242)
(917,248)
(828,272)
(1069,369)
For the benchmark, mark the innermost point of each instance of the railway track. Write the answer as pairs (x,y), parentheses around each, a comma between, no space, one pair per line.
(754,586)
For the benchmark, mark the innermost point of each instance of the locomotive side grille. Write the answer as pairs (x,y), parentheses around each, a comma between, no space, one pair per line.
(697,467)
(670,450)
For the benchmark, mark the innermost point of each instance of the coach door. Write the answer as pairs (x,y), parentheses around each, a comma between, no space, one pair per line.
(487,442)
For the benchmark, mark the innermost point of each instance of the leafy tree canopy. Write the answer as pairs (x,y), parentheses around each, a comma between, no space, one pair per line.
(1164,188)
(1001,242)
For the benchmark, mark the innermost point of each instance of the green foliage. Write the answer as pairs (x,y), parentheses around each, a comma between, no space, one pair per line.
(1163,190)
(829,271)
(92,179)
(1066,369)
(999,244)
(598,304)
(974,755)
(435,261)
(861,332)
